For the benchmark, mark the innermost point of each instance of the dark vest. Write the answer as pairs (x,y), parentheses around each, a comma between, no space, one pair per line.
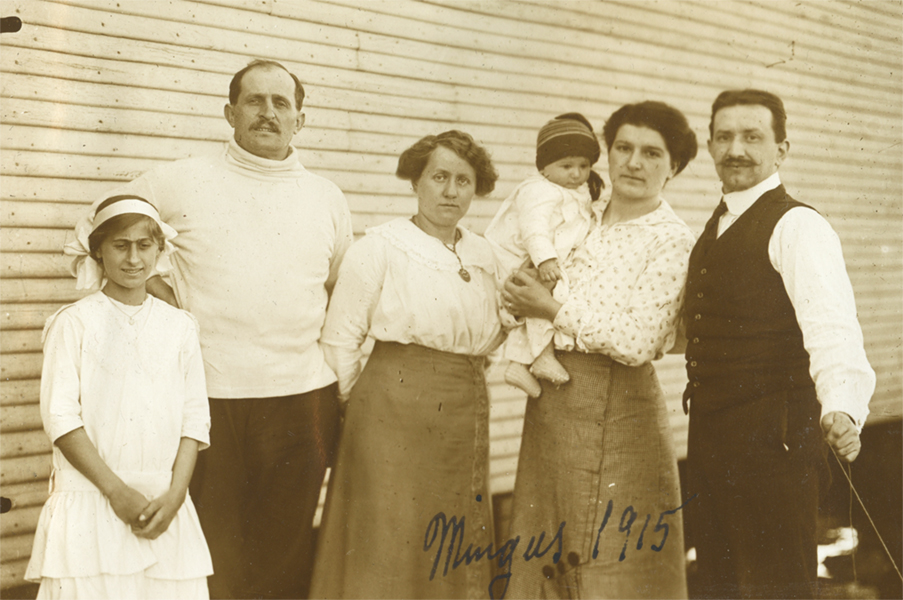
(743,338)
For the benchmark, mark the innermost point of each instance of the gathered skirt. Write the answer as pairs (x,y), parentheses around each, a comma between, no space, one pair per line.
(597,464)
(411,474)
(83,550)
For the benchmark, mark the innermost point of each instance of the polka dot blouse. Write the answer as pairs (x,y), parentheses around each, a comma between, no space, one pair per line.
(627,283)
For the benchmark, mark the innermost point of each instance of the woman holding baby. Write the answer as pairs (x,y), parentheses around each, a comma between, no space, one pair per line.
(597,451)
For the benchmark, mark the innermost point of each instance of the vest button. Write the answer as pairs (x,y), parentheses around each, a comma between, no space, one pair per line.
(703,272)
(698,317)
(695,340)
(695,384)
(692,363)
(699,295)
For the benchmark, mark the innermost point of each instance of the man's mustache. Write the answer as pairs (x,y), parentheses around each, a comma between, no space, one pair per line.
(268,124)
(734,162)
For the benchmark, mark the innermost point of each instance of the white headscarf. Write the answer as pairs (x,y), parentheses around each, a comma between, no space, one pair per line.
(87,271)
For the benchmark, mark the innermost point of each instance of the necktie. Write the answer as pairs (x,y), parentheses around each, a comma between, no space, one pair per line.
(719,210)
(712,225)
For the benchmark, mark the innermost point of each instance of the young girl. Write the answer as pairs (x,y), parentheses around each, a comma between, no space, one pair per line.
(542,220)
(123,400)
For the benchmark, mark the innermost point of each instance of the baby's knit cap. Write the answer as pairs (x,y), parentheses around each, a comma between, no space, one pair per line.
(566,135)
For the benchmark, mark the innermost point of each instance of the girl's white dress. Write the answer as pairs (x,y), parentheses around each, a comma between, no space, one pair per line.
(136,384)
(539,220)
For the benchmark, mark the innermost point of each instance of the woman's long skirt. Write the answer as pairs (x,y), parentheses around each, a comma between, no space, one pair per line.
(597,463)
(410,481)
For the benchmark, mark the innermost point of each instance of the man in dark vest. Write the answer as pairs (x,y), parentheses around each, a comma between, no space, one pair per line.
(775,361)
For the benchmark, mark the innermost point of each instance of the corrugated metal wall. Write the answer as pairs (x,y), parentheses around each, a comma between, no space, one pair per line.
(94,93)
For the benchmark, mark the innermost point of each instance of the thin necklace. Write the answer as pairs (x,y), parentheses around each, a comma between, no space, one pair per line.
(453,248)
(131,318)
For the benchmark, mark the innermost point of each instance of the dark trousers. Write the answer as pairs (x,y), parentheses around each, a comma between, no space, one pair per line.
(757,468)
(256,490)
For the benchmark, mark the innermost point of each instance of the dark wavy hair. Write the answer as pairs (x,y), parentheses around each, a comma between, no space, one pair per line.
(413,160)
(119,222)
(235,84)
(669,122)
(751,96)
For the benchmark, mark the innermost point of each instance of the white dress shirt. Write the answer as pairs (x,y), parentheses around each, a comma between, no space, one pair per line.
(806,252)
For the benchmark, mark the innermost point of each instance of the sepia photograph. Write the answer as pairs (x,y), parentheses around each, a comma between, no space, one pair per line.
(451,299)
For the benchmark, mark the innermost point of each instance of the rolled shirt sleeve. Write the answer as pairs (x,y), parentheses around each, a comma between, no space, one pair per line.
(196,412)
(60,391)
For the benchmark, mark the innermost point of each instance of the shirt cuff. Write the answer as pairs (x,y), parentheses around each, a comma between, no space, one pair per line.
(61,426)
(857,413)
(200,434)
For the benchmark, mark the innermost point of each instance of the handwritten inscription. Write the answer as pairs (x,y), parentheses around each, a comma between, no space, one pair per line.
(628,517)
(445,536)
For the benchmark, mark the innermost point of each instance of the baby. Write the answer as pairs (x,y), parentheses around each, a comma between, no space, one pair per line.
(543,219)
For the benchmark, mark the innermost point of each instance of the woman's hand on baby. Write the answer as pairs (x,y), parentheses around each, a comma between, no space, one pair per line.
(549,272)
(525,296)
(155,519)
(128,504)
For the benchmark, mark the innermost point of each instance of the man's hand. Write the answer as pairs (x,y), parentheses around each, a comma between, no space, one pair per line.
(160,289)
(841,435)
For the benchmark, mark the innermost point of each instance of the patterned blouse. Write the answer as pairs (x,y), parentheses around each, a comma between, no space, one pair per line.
(627,285)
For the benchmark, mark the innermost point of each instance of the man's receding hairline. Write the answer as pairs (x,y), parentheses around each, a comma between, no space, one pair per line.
(269,66)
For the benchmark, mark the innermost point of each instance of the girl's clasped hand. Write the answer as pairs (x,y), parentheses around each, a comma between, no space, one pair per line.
(129,505)
(148,519)
(155,519)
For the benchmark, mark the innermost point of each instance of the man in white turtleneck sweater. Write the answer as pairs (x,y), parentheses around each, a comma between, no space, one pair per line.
(259,246)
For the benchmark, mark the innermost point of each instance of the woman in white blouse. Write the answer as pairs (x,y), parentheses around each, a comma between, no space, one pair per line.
(415,445)
(596,462)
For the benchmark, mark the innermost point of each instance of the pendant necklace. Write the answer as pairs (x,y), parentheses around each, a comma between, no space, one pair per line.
(453,247)
(130,317)
(462,272)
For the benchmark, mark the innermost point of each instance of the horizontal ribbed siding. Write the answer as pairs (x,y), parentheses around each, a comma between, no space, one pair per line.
(95,93)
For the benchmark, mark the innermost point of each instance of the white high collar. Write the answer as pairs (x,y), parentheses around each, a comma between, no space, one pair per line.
(739,202)
(290,166)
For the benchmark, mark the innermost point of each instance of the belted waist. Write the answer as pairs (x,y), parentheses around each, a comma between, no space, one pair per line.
(431,353)
(149,483)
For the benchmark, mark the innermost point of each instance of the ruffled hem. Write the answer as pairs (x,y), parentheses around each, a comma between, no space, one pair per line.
(137,586)
(473,250)
(79,535)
